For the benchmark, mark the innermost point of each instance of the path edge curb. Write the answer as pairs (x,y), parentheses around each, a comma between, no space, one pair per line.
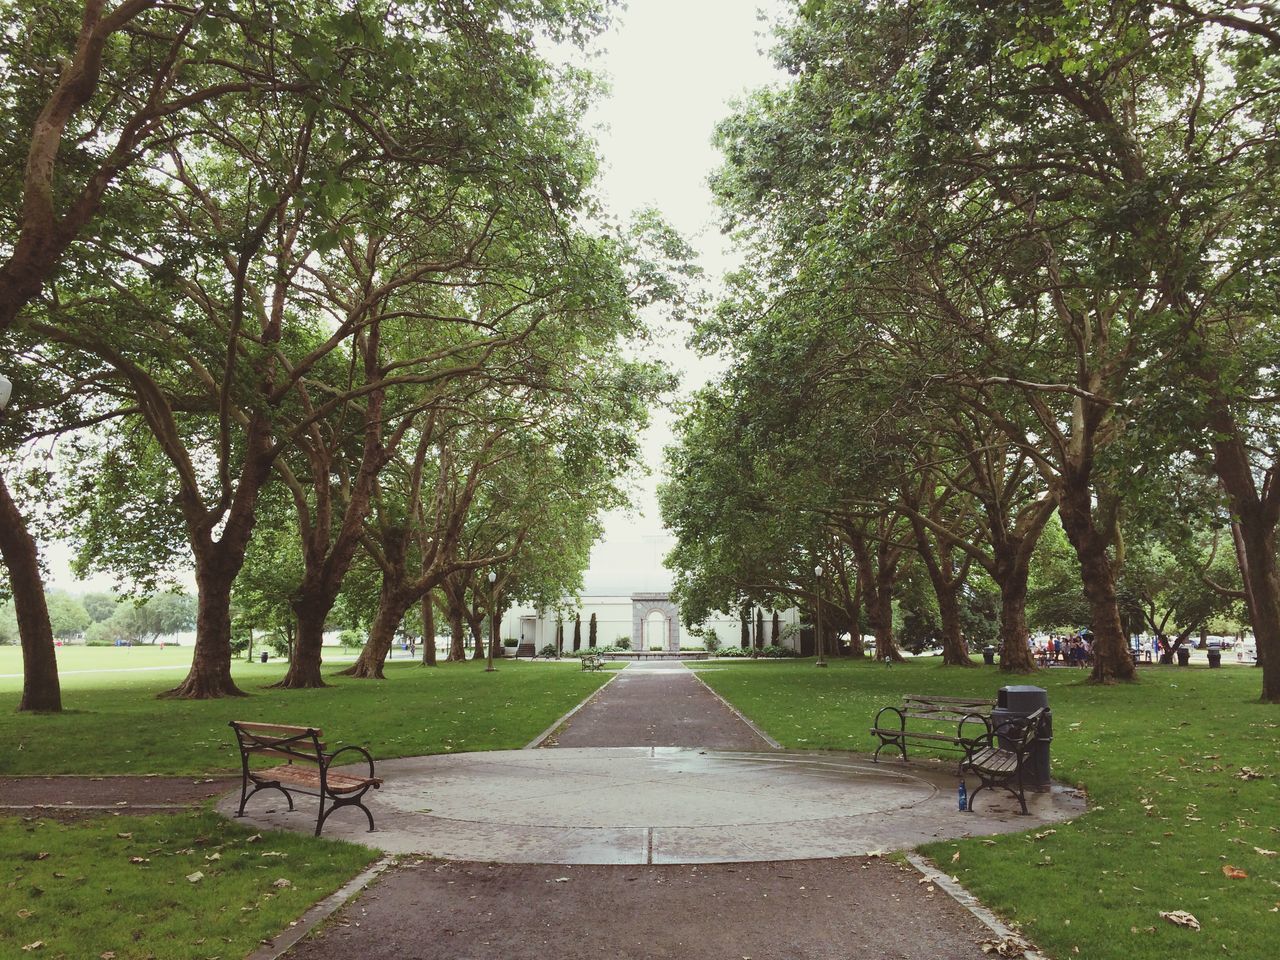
(980,912)
(285,941)
(736,712)
(546,734)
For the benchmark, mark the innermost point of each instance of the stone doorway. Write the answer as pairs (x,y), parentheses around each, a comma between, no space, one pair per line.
(644,604)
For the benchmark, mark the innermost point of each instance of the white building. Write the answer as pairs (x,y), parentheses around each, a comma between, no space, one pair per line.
(647,620)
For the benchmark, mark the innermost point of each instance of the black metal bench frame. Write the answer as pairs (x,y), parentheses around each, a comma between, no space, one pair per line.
(935,710)
(303,745)
(998,756)
(592,661)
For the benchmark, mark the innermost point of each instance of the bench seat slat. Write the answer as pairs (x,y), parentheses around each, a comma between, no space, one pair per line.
(335,782)
(913,734)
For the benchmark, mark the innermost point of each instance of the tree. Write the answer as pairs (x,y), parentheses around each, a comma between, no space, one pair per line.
(591,632)
(100,606)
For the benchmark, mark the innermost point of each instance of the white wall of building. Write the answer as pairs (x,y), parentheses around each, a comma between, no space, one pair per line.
(614,621)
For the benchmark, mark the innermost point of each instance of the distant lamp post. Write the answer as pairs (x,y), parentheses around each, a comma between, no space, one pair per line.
(6,390)
(493,619)
(817,616)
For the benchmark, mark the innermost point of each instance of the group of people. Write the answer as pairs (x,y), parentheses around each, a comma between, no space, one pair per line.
(1072,650)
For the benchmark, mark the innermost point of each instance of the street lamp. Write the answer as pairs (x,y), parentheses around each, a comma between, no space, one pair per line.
(817,615)
(6,388)
(493,619)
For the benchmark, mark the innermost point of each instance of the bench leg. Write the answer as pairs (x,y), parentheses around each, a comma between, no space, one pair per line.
(890,742)
(244,796)
(343,802)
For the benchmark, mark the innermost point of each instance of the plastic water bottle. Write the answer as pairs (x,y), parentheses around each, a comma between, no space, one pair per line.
(963,796)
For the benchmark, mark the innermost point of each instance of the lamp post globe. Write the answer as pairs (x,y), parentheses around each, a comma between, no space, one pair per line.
(493,620)
(6,390)
(817,617)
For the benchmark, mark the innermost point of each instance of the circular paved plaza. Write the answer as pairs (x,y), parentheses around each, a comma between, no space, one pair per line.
(629,805)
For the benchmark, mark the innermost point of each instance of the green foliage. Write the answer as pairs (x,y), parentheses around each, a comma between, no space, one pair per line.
(67,615)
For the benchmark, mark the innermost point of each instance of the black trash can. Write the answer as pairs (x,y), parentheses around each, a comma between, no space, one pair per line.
(264,656)
(989,655)
(1215,654)
(1022,701)
(1184,656)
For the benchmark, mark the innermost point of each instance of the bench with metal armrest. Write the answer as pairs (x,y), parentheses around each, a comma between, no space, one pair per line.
(930,721)
(307,768)
(999,756)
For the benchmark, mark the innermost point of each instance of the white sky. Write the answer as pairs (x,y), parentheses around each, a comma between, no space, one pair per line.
(674,66)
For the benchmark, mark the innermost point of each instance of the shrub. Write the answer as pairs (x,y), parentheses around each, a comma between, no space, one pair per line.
(779,653)
(548,651)
(511,642)
(710,641)
(351,639)
(733,652)
(622,643)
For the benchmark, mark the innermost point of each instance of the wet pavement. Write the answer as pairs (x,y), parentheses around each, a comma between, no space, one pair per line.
(656,804)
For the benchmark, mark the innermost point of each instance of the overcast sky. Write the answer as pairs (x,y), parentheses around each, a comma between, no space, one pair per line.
(675,66)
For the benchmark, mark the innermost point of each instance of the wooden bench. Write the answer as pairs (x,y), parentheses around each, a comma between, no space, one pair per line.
(998,756)
(933,720)
(307,768)
(592,661)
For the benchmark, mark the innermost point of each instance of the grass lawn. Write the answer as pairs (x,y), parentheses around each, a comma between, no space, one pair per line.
(78,889)
(1162,762)
(113,722)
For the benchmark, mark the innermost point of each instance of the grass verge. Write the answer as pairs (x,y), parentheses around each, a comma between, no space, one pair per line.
(1164,762)
(114,723)
(166,887)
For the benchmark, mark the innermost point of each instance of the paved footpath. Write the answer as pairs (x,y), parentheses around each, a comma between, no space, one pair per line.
(657,705)
(830,909)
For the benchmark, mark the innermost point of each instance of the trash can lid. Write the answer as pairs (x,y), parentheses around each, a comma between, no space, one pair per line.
(1023,697)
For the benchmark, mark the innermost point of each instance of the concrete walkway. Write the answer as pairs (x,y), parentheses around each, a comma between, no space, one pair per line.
(660,704)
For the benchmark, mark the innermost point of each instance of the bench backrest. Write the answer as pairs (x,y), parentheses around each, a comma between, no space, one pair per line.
(1018,733)
(944,708)
(279,740)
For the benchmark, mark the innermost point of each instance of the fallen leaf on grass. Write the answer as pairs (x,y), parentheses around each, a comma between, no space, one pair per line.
(282,884)
(23,914)
(1264,853)
(1233,873)
(1181,918)
(1248,773)
(125,836)
(139,860)
(274,853)
(214,856)
(42,855)
(107,955)
(1047,833)
(254,839)
(195,877)
(955,856)
(34,946)
(1009,947)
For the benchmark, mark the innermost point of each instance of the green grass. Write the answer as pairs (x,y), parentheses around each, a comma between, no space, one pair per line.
(1160,761)
(73,887)
(113,722)
(71,660)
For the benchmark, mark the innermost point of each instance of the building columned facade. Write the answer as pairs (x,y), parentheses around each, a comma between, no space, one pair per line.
(647,621)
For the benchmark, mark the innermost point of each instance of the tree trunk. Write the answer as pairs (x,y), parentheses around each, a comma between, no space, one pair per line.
(591,632)
(40,687)
(1111,658)
(392,607)
(880,617)
(311,609)
(210,674)
(457,636)
(1011,573)
(955,652)
(428,630)
(477,637)
(1264,578)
